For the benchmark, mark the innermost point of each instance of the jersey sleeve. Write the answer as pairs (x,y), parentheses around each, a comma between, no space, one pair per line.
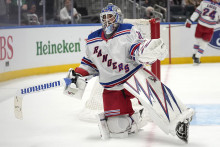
(87,65)
(136,38)
(197,12)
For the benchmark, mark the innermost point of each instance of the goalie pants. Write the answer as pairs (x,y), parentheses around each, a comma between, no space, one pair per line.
(117,102)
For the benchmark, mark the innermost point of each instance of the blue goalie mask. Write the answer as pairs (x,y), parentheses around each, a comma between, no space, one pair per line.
(110,17)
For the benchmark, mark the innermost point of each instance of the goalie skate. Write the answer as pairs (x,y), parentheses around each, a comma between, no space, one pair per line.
(182,130)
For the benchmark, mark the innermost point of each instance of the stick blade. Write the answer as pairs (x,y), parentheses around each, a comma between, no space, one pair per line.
(18,107)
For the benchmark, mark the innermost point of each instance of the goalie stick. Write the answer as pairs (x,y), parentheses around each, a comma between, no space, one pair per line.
(44,87)
(30,90)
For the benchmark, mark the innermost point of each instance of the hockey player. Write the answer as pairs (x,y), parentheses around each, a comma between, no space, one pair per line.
(116,52)
(207,13)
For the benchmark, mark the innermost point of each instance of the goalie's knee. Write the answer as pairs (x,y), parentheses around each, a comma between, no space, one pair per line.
(119,124)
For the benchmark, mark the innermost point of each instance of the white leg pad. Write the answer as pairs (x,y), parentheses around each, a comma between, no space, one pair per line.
(103,127)
(119,125)
(165,109)
(140,118)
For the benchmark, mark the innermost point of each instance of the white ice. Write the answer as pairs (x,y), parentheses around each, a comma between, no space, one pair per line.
(51,118)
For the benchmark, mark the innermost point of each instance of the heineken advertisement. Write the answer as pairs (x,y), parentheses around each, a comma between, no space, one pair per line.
(40,50)
(46,48)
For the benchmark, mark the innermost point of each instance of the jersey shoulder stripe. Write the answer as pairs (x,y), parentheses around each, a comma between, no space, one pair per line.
(95,34)
(122,30)
(94,37)
(124,26)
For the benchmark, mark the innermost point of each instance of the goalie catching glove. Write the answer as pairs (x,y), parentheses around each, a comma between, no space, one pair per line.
(151,50)
(74,84)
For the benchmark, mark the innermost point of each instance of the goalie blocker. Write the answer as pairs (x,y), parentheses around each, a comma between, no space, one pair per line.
(75,84)
(165,109)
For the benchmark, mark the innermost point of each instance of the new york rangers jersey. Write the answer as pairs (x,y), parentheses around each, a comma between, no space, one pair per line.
(112,59)
(207,13)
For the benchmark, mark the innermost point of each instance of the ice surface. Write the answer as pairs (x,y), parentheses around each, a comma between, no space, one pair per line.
(51,118)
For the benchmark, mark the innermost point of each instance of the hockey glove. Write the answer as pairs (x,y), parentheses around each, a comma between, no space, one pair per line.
(188,23)
(151,50)
(75,84)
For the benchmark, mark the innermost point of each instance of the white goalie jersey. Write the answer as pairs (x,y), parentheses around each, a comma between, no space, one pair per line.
(207,13)
(116,59)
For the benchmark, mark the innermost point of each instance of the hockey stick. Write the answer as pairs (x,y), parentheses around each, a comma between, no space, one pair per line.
(30,90)
(44,87)
(176,26)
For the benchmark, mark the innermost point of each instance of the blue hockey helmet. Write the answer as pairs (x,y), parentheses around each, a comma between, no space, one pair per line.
(110,18)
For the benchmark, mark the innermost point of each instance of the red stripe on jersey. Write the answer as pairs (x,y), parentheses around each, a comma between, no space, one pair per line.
(81,71)
(87,62)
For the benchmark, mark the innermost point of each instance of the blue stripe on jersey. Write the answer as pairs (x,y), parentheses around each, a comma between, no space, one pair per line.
(89,66)
(122,34)
(97,39)
(122,79)
(86,61)
(97,33)
(124,26)
(133,48)
(198,11)
(207,21)
(123,29)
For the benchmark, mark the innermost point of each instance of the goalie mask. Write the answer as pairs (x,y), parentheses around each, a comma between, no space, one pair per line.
(110,17)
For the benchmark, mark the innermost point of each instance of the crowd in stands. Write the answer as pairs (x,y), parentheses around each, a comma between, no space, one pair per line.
(61,11)
(179,9)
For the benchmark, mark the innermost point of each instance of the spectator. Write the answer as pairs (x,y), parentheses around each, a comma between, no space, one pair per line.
(65,13)
(49,7)
(147,3)
(148,14)
(39,6)
(195,3)
(177,2)
(13,9)
(32,16)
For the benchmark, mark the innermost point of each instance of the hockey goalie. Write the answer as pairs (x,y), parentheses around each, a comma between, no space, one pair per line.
(117,53)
